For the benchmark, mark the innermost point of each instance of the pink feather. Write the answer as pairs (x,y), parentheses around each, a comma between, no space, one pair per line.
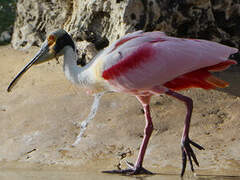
(150,59)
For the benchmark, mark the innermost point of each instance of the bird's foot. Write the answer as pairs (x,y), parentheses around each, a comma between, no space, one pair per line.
(132,170)
(187,152)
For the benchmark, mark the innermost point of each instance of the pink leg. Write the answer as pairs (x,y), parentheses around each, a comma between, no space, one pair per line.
(189,103)
(137,168)
(147,131)
(185,141)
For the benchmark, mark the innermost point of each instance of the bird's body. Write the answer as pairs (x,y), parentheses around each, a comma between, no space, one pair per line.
(141,61)
(144,64)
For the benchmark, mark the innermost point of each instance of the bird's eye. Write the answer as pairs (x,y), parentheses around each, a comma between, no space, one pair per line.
(51,40)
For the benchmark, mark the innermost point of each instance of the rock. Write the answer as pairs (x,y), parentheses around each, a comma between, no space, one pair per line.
(101,22)
(86,52)
(36,18)
(5,36)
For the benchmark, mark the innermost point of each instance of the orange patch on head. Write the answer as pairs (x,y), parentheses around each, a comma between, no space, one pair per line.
(51,40)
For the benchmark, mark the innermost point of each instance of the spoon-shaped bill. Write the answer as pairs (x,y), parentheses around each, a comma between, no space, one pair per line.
(15,80)
(42,56)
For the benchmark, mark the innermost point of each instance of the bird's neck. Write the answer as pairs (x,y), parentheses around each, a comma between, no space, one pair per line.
(73,72)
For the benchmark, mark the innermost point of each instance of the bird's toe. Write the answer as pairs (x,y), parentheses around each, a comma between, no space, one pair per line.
(188,153)
(132,170)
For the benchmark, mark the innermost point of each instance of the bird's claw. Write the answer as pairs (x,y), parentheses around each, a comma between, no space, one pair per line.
(132,170)
(187,152)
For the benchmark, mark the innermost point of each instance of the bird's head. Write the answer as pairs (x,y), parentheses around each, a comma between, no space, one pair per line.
(52,47)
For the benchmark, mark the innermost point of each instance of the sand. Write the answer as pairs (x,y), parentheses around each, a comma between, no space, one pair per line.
(39,120)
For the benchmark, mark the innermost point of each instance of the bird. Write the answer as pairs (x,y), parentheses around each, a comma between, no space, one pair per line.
(143,64)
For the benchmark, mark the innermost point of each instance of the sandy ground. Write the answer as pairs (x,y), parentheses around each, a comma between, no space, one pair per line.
(38,124)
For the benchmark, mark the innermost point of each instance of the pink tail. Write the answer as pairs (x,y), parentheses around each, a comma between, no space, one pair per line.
(201,78)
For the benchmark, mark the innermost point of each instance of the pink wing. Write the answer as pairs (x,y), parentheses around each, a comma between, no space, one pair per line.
(144,60)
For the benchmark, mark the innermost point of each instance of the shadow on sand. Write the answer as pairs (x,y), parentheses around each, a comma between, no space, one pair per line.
(232,75)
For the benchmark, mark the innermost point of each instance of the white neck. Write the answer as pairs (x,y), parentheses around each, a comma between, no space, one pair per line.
(73,72)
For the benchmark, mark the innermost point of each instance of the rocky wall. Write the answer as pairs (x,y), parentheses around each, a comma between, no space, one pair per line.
(96,23)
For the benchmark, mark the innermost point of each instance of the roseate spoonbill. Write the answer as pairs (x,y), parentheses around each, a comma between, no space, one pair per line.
(144,64)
